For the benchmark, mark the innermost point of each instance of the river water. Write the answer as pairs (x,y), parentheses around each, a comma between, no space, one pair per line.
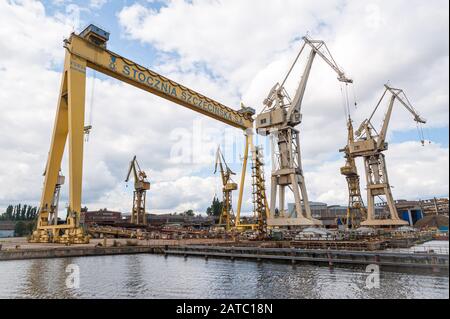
(154,276)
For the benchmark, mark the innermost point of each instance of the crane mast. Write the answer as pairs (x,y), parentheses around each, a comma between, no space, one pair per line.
(227,217)
(370,145)
(278,119)
(141,186)
(260,204)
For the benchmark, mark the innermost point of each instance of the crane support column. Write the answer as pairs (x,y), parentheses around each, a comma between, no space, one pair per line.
(69,123)
(248,141)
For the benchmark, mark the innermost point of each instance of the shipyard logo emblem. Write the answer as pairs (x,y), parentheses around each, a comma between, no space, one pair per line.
(112,65)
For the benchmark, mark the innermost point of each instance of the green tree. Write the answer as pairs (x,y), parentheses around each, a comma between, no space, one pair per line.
(9,212)
(19,212)
(20,229)
(23,212)
(189,213)
(215,209)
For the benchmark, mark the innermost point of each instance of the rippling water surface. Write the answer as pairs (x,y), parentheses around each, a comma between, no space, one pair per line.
(154,276)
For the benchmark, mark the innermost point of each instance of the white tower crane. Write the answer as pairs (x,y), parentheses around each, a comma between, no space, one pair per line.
(279,118)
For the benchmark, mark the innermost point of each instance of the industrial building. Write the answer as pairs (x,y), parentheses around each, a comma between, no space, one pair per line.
(435,206)
(332,216)
(197,222)
(101,217)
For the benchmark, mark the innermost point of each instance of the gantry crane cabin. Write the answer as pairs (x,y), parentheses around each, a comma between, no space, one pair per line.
(141,186)
(227,217)
(370,145)
(89,50)
(279,118)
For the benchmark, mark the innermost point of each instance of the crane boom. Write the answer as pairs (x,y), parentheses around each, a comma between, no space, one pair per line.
(367,127)
(132,169)
(315,45)
(286,111)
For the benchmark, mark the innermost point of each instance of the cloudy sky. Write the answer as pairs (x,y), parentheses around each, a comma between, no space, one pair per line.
(231,51)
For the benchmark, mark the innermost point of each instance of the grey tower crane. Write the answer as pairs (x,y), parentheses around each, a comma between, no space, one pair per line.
(370,145)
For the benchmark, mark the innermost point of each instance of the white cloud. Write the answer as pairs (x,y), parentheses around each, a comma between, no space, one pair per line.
(97,4)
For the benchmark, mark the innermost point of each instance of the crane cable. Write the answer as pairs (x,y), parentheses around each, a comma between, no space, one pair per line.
(419,126)
(88,128)
(346,101)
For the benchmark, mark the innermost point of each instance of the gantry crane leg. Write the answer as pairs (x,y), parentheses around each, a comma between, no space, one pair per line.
(69,124)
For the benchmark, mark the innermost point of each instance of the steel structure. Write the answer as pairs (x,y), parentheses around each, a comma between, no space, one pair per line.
(279,118)
(260,206)
(356,210)
(88,50)
(370,145)
(227,217)
(141,186)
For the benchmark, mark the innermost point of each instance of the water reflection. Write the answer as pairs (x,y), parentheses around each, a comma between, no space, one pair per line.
(152,276)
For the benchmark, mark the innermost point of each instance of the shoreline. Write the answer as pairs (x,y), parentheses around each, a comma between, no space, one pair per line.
(396,261)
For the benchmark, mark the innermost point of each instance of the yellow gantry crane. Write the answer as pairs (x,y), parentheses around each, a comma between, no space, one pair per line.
(89,50)
(278,119)
(227,217)
(370,145)
(356,211)
(141,186)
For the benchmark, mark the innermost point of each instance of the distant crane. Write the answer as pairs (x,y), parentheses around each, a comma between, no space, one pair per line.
(228,186)
(141,186)
(370,145)
(279,118)
(356,210)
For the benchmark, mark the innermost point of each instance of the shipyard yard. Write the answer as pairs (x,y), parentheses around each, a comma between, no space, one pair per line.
(223,158)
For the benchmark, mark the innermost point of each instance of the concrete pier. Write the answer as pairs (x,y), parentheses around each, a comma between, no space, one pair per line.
(437,263)
(211,248)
